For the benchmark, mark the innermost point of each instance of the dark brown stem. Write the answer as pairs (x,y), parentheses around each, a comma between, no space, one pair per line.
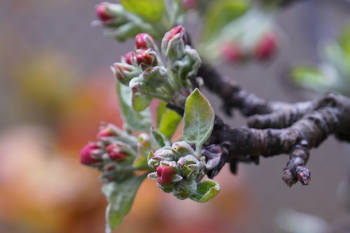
(275,128)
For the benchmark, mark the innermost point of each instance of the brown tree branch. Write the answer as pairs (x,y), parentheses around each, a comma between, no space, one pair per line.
(284,129)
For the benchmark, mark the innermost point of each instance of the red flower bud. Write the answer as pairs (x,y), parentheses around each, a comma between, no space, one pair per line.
(146,58)
(230,52)
(189,4)
(266,46)
(107,131)
(87,152)
(175,31)
(102,12)
(143,41)
(115,153)
(128,57)
(165,175)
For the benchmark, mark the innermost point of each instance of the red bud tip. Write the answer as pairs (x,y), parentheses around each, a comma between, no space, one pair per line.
(166,174)
(128,57)
(266,46)
(141,40)
(176,30)
(106,131)
(146,57)
(114,152)
(86,154)
(102,13)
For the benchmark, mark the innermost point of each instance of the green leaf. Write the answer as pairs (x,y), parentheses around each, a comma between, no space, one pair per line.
(318,79)
(120,197)
(160,111)
(140,101)
(198,119)
(206,190)
(150,10)
(220,13)
(136,121)
(169,123)
(160,138)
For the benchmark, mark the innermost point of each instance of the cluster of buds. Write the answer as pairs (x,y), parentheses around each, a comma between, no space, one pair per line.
(262,50)
(143,71)
(113,153)
(178,169)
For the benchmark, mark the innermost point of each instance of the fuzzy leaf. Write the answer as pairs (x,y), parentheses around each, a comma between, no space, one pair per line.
(136,121)
(150,10)
(120,197)
(160,138)
(206,190)
(161,109)
(198,119)
(169,123)
(140,101)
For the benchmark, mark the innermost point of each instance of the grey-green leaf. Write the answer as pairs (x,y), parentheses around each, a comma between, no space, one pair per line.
(160,138)
(206,190)
(169,123)
(120,197)
(198,119)
(136,121)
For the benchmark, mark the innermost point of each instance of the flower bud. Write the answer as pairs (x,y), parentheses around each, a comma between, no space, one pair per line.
(178,31)
(144,41)
(156,76)
(116,153)
(190,165)
(102,12)
(185,189)
(146,58)
(90,154)
(230,52)
(165,174)
(128,58)
(125,72)
(108,130)
(173,43)
(266,46)
(182,149)
(189,4)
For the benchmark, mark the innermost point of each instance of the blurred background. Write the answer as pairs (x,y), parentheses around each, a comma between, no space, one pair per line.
(56,87)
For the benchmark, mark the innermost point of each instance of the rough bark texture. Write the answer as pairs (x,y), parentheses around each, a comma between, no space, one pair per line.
(274,127)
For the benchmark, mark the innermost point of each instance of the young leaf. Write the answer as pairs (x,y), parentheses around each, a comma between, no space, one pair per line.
(160,111)
(136,121)
(160,138)
(198,119)
(150,10)
(120,197)
(206,190)
(140,101)
(169,122)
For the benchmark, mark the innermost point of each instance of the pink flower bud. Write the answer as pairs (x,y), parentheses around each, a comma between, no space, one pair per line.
(102,12)
(189,4)
(107,131)
(128,57)
(230,52)
(179,30)
(89,153)
(115,153)
(266,46)
(144,41)
(146,58)
(165,175)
